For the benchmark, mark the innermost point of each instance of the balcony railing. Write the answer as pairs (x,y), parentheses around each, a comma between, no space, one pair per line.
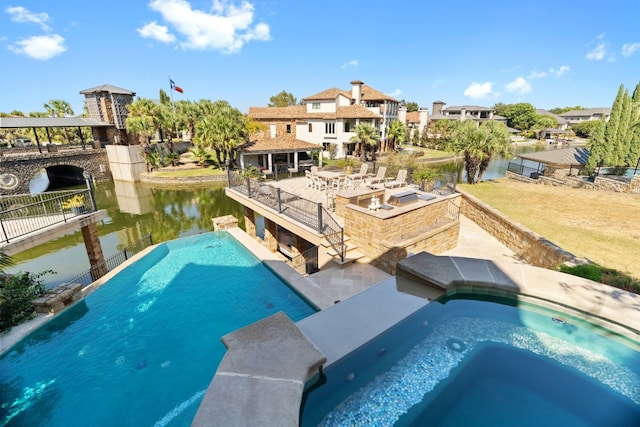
(25,213)
(301,210)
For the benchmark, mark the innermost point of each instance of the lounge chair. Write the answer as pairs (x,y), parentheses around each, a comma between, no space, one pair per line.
(363,172)
(379,177)
(400,181)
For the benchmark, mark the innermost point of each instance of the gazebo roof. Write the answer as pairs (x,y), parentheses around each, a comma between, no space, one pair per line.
(49,122)
(564,157)
(261,145)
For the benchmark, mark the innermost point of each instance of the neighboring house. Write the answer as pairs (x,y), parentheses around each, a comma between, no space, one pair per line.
(464,112)
(580,116)
(562,122)
(414,121)
(330,117)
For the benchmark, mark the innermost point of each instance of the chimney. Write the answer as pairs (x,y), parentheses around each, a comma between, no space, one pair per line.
(356,91)
(437,107)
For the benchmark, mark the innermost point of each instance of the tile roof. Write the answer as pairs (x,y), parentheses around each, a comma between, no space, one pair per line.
(49,122)
(107,88)
(468,108)
(367,93)
(573,156)
(559,119)
(587,112)
(263,144)
(299,113)
(328,94)
(413,117)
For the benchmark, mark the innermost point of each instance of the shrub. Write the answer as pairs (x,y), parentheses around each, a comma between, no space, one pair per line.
(608,276)
(17,293)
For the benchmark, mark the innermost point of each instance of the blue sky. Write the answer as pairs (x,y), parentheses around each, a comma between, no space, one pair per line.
(548,53)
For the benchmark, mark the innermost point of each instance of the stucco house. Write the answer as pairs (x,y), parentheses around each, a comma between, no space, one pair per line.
(580,116)
(464,112)
(330,117)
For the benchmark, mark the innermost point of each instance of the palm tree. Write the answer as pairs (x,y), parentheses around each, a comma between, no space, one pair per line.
(223,128)
(59,108)
(143,127)
(496,143)
(479,144)
(366,135)
(396,132)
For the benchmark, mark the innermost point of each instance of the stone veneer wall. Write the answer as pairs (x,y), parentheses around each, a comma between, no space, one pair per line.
(386,239)
(148,178)
(600,183)
(533,248)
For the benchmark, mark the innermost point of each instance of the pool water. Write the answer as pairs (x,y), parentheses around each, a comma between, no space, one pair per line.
(142,349)
(468,362)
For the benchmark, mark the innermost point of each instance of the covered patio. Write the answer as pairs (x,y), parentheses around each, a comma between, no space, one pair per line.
(278,156)
(551,162)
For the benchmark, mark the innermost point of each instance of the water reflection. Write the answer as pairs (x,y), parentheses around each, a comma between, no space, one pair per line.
(134,211)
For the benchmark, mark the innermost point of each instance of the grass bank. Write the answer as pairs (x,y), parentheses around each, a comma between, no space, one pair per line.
(598,225)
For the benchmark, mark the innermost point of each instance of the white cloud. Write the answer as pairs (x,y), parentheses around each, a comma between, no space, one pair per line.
(40,47)
(599,51)
(353,64)
(226,27)
(560,71)
(629,49)
(537,75)
(157,32)
(478,90)
(519,85)
(20,14)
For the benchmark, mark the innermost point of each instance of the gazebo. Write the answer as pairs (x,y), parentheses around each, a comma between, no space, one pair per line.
(550,161)
(277,155)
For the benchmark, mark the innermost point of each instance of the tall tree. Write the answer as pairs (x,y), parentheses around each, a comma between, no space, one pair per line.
(611,130)
(479,144)
(365,136)
(283,99)
(59,108)
(396,133)
(411,106)
(596,146)
(521,116)
(633,155)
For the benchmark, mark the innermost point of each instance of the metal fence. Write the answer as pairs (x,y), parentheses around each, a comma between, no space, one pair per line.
(304,211)
(306,262)
(97,271)
(520,169)
(25,213)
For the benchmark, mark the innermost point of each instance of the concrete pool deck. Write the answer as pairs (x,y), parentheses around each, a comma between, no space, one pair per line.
(479,264)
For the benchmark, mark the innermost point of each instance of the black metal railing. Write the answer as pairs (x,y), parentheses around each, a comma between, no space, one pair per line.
(306,262)
(25,213)
(304,211)
(520,169)
(97,271)
(453,209)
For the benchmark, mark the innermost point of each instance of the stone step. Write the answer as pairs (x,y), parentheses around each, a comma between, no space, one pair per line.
(348,247)
(349,258)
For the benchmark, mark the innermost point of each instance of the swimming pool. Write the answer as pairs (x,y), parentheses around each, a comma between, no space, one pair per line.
(472,362)
(142,349)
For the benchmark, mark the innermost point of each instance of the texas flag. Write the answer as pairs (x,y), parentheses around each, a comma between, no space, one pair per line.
(174,87)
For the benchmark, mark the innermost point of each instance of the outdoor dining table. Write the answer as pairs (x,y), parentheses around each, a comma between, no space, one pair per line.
(328,176)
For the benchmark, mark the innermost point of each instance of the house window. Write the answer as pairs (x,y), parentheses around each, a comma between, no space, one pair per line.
(288,128)
(310,128)
(315,106)
(330,127)
(272,131)
(347,127)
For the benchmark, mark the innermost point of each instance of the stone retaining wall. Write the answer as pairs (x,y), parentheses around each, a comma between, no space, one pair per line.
(148,178)
(533,248)
(602,183)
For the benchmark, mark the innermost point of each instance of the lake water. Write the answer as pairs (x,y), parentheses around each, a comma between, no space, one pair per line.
(135,210)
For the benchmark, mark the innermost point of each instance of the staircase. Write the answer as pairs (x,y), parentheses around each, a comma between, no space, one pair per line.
(351,253)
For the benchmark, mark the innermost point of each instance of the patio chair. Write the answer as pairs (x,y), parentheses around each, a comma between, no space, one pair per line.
(379,177)
(309,178)
(337,184)
(319,183)
(363,171)
(400,181)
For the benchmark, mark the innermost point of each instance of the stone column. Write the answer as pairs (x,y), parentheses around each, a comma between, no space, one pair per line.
(250,221)
(224,222)
(270,235)
(298,248)
(94,251)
